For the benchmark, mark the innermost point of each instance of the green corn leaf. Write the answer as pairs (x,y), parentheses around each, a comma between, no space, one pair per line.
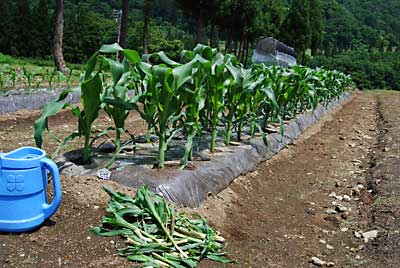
(164,58)
(113,48)
(182,74)
(91,90)
(132,56)
(101,232)
(132,210)
(218,258)
(116,69)
(91,65)
(119,197)
(41,124)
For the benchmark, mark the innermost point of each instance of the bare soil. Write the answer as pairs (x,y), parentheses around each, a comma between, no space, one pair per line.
(274,217)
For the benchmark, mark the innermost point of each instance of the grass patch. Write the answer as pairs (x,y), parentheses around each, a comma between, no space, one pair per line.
(7,59)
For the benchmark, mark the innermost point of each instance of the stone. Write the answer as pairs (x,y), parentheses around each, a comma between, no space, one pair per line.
(103,174)
(330,247)
(330,264)
(333,219)
(333,194)
(338,184)
(70,169)
(357,234)
(369,235)
(346,198)
(331,211)
(341,208)
(107,148)
(339,197)
(317,262)
(345,215)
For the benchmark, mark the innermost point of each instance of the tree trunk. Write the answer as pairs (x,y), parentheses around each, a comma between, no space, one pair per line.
(199,34)
(146,26)
(246,52)
(123,30)
(228,46)
(235,47)
(58,37)
(212,33)
(239,53)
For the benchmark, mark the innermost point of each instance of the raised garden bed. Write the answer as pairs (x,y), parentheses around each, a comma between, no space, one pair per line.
(207,174)
(15,102)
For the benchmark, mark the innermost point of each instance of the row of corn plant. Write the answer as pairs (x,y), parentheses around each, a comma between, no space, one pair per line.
(35,78)
(206,92)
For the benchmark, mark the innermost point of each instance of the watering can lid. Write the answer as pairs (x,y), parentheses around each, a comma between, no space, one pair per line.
(22,158)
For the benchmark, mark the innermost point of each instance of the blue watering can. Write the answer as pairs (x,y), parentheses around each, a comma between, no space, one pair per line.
(23,183)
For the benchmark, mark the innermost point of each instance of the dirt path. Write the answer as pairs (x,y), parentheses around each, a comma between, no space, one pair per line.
(282,215)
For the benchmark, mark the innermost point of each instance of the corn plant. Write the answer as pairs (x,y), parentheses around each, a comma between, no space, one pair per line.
(238,99)
(263,101)
(91,88)
(161,100)
(28,75)
(304,85)
(217,78)
(194,98)
(116,102)
(68,77)
(50,75)
(13,76)
(2,81)
(38,81)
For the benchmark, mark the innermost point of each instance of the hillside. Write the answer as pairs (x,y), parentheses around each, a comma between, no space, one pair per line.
(351,23)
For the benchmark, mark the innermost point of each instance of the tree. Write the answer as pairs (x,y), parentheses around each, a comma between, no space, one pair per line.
(124,24)
(58,36)
(274,14)
(85,31)
(6,26)
(41,30)
(22,35)
(200,10)
(316,26)
(296,30)
(146,19)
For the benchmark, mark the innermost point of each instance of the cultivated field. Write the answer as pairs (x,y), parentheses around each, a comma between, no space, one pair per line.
(317,198)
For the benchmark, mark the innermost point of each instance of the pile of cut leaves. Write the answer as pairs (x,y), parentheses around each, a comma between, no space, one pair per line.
(156,234)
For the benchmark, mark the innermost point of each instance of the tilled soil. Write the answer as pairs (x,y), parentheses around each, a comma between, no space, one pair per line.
(282,215)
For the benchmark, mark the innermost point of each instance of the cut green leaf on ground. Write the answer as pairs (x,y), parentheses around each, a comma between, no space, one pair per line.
(156,235)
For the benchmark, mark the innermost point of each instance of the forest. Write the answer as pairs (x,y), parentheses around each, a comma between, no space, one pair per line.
(357,37)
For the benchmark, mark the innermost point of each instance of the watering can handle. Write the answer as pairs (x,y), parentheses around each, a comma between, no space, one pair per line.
(50,209)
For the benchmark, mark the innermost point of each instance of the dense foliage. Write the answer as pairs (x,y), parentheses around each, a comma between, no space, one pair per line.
(369,69)
(199,94)
(314,27)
